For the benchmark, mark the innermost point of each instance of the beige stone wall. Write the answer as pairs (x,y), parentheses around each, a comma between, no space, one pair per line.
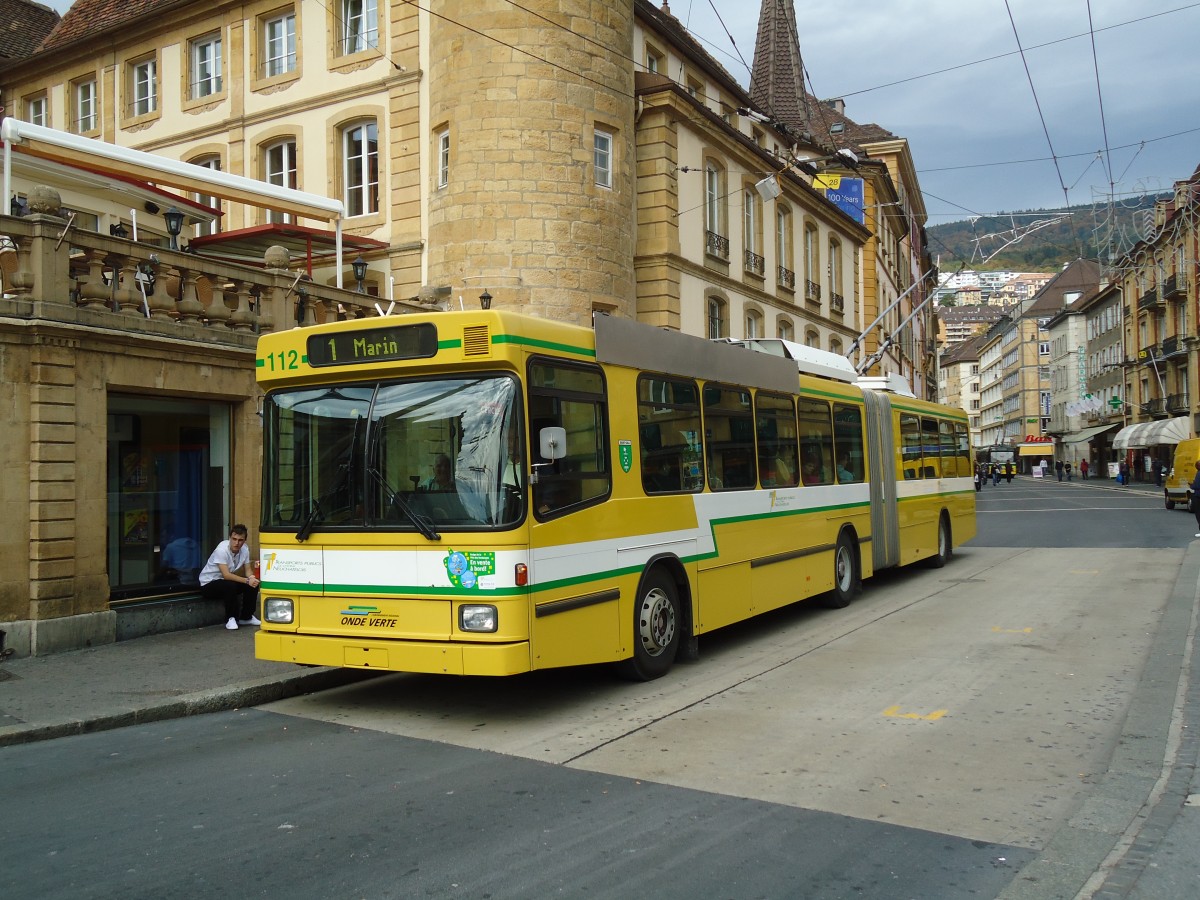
(521,214)
(56,382)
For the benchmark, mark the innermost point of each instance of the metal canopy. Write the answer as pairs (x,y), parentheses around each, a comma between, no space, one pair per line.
(1151,434)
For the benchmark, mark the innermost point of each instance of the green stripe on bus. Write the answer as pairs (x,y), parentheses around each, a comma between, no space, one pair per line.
(543,345)
(450,344)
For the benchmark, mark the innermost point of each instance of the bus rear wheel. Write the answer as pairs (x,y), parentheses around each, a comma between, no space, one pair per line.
(945,547)
(656,629)
(846,580)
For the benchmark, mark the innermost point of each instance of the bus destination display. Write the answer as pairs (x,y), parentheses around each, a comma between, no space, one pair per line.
(346,348)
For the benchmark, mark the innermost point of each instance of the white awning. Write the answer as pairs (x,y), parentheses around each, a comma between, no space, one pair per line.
(1151,434)
(1086,434)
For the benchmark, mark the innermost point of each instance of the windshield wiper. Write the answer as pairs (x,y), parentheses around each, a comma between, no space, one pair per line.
(422,524)
(307,528)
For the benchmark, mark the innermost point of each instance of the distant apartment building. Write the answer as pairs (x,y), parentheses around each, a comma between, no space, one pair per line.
(959,382)
(961,322)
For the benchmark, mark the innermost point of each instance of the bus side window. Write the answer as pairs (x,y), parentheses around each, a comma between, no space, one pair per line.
(816,442)
(573,397)
(910,446)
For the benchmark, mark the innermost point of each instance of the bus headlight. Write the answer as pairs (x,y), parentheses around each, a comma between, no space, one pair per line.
(477,618)
(278,610)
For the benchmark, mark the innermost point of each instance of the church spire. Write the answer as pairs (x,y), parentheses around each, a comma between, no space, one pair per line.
(777,79)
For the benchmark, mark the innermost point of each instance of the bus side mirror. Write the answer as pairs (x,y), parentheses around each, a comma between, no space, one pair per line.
(552,441)
(552,445)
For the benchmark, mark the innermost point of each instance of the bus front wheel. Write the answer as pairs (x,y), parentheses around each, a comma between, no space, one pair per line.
(656,629)
(846,580)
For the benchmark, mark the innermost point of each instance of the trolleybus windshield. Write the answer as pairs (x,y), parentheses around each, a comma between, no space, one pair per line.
(425,455)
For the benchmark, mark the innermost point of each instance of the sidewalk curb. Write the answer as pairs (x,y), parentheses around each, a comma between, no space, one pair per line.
(212,700)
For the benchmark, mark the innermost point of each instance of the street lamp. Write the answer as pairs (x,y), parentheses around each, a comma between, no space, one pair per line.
(174,219)
(485,300)
(360,271)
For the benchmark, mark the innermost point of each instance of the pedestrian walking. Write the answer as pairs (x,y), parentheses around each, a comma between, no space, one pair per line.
(1067,469)
(1008,472)
(995,474)
(1156,468)
(1123,472)
(1058,468)
(978,478)
(1194,499)
(1083,469)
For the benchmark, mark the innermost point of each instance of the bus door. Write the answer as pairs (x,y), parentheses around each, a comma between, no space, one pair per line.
(885,524)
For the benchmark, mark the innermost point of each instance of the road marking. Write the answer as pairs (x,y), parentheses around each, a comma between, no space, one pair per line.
(999,630)
(894,713)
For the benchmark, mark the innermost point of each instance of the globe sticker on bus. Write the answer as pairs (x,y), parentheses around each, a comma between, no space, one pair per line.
(466,568)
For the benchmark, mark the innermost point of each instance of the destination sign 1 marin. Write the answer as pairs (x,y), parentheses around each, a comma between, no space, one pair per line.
(373,345)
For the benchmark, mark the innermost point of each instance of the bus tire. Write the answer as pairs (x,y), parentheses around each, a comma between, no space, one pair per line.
(945,546)
(846,579)
(1169,502)
(657,628)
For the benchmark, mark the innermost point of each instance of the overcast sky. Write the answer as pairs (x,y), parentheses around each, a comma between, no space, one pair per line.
(982,115)
(970,127)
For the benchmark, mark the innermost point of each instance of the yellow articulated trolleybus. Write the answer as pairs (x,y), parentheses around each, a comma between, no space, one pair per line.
(485,493)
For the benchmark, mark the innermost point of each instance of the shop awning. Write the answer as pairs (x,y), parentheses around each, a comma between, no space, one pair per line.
(1087,434)
(1037,448)
(1151,434)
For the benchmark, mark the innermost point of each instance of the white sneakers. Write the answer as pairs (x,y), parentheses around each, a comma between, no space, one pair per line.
(253,620)
(231,625)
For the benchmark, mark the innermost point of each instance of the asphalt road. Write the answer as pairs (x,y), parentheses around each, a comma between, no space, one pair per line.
(950,734)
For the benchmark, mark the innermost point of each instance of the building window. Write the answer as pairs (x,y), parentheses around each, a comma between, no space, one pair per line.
(654,60)
(36,111)
(279,44)
(360,165)
(602,147)
(143,84)
(812,257)
(835,346)
(360,26)
(205,66)
(785,274)
(280,170)
(213,227)
(812,338)
(752,224)
(714,210)
(754,327)
(86,118)
(443,158)
(785,330)
(168,467)
(717,324)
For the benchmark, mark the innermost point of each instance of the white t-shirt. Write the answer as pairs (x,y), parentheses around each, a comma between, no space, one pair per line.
(212,568)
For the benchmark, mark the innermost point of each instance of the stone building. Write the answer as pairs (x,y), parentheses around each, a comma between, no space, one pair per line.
(1157,278)
(563,158)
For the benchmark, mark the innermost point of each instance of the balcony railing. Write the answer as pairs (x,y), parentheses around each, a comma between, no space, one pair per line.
(786,278)
(1149,300)
(716,245)
(755,264)
(1155,407)
(837,303)
(1173,288)
(1148,353)
(812,292)
(1178,403)
(96,280)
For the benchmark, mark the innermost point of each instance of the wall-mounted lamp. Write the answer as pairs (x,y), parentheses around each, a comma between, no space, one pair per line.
(118,230)
(359,266)
(485,300)
(174,220)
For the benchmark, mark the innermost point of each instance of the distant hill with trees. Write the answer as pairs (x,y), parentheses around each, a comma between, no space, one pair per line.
(1048,238)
